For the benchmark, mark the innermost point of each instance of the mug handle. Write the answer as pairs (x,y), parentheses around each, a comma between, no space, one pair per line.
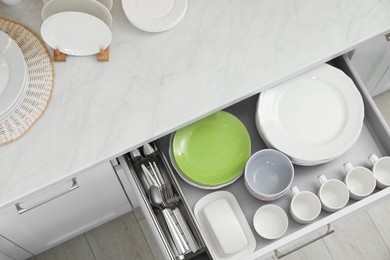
(295,190)
(322,179)
(373,158)
(348,167)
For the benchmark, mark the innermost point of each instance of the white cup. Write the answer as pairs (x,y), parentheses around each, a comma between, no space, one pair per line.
(359,180)
(334,194)
(305,206)
(381,170)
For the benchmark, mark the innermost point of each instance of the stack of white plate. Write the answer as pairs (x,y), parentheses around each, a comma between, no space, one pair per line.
(77,27)
(313,118)
(155,15)
(14,77)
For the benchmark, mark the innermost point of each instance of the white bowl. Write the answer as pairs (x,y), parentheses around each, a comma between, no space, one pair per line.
(268,174)
(270,221)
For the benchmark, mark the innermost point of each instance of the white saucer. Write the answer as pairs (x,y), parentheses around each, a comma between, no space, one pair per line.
(154,15)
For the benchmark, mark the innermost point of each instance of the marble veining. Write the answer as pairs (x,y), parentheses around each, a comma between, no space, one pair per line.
(221,52)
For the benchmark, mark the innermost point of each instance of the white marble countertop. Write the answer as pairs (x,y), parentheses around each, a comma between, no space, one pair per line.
(223,51)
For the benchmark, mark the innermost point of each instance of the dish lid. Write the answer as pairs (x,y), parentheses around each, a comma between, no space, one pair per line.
(155,15)
(224,226)
(70,33)
(13,59)
(213,150)
(312,118)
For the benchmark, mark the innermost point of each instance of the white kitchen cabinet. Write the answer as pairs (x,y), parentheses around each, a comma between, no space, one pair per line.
(371,59)
(10,251)
(5,257)
(374,138)
(65,209)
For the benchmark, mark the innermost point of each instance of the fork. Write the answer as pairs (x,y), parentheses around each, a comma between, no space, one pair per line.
(171,200)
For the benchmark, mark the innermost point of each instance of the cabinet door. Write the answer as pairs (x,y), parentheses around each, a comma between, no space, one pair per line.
(9,251)
(65,210)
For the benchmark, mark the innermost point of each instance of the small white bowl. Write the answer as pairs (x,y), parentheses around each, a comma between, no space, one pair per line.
(270,221)
(268,174)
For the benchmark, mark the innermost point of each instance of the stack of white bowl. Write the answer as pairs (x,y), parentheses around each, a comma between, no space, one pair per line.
(77,27)
(14,76)
(313,118)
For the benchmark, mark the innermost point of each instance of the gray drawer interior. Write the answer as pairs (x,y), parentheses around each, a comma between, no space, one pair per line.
(374,138)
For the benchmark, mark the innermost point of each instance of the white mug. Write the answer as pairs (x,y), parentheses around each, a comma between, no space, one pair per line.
(334,194)
(381,170)
(359,180)
(305,206)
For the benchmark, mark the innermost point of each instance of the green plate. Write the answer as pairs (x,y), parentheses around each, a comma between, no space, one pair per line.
(212,151)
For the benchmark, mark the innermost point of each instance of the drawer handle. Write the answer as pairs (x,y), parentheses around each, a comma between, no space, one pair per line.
(22,210)
(279,254)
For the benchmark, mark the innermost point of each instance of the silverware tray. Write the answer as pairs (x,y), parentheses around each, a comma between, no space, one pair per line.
(156,214)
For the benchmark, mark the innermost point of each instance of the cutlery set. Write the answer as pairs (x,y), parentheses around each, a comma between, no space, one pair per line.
(163,198)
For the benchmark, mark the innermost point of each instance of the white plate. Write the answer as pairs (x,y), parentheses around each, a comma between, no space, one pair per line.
(76,33)
(4,73)
(224,226)
(91,7)
(154,15)
(19,99)
(18,73)
(107,3)
(312,118)
(294,160)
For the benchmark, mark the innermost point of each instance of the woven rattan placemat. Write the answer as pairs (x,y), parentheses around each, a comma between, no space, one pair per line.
(41,82)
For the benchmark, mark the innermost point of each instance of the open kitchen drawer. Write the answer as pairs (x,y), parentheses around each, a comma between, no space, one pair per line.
(374,138)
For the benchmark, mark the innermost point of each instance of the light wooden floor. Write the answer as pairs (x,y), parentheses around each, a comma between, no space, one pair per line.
(362,236)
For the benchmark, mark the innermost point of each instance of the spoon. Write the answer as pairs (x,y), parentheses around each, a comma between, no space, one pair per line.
(156,199)
(135,154)
(148,149)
